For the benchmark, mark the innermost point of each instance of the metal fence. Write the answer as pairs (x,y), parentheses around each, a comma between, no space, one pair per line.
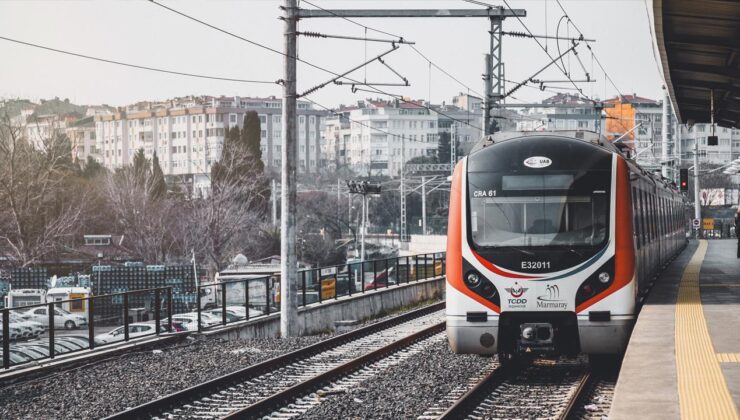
(43,331)
(237,300)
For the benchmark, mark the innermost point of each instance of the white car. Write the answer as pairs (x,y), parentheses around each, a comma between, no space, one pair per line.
(15,331)
(30,329)
(134,330)
(235,313)
(189,320)
(62,318)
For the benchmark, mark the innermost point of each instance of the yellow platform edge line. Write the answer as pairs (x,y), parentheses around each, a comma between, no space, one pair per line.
(718,285)
(702,389)
(728,357)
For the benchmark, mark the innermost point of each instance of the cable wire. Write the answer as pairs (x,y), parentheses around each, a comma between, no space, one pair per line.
(399,37)
(606,75)
(136,66)
(302,61)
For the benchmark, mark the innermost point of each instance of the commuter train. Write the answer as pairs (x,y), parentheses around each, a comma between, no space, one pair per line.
(553,237)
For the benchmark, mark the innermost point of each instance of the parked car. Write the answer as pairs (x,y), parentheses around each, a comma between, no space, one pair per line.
(190,319)
(138,329)
(62,318)
(30,329)
(79,341)
(17,357)
(32,352)
(234,313)
(15,332)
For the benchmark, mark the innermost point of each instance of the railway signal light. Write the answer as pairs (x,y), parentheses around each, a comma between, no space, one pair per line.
(683,180)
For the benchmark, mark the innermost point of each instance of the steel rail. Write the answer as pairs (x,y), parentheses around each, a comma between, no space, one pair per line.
(275,401)
(465,404)
(154,407)
(571,407)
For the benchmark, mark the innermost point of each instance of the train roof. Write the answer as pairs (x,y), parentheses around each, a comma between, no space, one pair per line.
(584,135)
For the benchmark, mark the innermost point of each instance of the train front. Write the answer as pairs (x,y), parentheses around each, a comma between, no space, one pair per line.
(537,262)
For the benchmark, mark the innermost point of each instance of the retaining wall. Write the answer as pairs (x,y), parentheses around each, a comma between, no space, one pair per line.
(320,317)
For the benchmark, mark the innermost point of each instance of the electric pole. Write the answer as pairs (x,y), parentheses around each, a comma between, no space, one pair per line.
(664,152)
(423,205)
(487,102)
(697,203)
(363,188)
(288,260)
(403,239)
(274,203)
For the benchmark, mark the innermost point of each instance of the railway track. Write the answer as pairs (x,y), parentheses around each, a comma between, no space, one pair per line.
(278,383)
(537,389)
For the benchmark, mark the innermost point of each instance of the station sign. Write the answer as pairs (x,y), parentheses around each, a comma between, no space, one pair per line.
(696,223)
(708,224)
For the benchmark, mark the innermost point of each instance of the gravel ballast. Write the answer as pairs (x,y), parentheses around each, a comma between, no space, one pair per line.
(406,390)
(135,378)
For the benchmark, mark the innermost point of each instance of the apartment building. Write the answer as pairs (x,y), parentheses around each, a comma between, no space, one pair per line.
(81,134)
(369,138)
(188,133)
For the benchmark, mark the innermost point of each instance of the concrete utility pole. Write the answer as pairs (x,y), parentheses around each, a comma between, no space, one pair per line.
(274,203)
(364,227)
(679,149)
(453,147)
(288,260)
(423,205)
(665,137)
(697,203)
(403,236)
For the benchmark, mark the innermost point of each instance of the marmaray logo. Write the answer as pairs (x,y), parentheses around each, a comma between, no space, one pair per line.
(551,298)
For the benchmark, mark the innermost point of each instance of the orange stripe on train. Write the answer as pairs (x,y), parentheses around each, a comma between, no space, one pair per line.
(454,241)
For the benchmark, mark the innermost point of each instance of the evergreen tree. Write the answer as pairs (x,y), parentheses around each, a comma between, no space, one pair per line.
(91,168)
(157,184)
(443,148)
(141,168)
(251,136)
(232,155)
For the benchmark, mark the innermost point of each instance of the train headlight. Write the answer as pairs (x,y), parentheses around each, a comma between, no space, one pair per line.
(473,279)
(604,277)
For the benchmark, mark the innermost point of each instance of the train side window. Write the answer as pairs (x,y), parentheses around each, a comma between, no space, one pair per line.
(662,217)
(653,227)
(643,216)
(636,217)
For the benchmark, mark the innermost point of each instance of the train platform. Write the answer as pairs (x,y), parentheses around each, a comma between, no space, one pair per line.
(683,360)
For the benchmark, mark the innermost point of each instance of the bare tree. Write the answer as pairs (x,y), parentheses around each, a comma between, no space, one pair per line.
(143,217)
(41,208)
(231,215)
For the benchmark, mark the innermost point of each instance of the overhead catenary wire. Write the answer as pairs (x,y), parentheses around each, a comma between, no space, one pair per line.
(413,47)
(136,66)
(593,54)
(533,37)
(202,22)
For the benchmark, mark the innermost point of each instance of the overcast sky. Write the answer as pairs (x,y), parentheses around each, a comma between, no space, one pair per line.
(141,33)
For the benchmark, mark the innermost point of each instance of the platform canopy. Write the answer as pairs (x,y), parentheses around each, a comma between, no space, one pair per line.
(698,42)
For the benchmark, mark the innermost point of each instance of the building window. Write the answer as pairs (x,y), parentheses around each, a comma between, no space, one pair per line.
(232,118)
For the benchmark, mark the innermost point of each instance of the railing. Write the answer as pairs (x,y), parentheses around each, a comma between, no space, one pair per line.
(45,330)
(238,300)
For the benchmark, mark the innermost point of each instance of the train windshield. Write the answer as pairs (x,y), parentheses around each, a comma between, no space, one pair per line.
(565,209)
